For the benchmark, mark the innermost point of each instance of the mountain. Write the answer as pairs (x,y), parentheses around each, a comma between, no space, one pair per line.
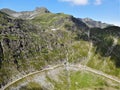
(42,10)
(29,44)
(45,16)
(94,24)
(8,11)
(25,14)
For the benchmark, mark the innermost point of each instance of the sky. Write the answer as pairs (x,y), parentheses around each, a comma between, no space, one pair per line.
(101,10)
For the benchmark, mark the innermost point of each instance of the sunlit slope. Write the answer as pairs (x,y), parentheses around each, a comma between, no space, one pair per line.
(65,79)
(60,21)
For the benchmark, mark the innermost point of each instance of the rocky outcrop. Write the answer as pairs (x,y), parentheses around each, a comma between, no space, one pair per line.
(1,55)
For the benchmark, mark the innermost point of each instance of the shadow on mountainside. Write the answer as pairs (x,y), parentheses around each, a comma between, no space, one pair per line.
(106,41)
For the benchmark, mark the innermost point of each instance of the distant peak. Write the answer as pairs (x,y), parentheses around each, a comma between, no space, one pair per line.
(42,9)
(87,19)
(6,10)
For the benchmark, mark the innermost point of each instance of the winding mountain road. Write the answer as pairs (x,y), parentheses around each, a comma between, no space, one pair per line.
(86,68)
(81,67)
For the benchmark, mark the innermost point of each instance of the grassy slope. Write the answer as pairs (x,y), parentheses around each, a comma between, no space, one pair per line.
(67,80)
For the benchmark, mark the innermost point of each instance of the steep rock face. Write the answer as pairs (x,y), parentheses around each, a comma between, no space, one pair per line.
(15,44)
(1,55)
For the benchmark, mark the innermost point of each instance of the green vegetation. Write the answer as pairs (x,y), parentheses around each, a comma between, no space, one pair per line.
(30,45)
(49,20)
(65,80)
(32,86)
(82,80)
(105,56)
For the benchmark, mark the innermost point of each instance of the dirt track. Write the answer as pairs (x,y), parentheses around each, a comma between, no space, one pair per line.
(81,67)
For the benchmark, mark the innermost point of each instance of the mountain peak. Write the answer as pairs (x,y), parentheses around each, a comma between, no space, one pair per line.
(87,19)
(42,9)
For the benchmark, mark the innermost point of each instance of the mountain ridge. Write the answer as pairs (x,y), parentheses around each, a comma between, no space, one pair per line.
(40,10)
(25,14)
(93,23)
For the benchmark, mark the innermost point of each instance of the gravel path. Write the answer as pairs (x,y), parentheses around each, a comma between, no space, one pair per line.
(78,67)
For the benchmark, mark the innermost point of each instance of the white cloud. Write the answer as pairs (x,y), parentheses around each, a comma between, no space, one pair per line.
(98,2)
(76,2)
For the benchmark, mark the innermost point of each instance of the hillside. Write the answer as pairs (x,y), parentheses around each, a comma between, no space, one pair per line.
(70,78)
(31,44)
